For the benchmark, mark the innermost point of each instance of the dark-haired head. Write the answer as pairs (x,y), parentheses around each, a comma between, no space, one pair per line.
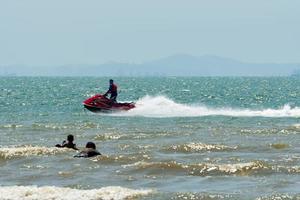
(70,138)
(90,145)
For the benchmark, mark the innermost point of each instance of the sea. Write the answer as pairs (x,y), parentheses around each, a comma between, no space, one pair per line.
(188,138)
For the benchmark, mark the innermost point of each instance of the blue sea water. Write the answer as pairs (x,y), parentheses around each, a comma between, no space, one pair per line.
(187,138)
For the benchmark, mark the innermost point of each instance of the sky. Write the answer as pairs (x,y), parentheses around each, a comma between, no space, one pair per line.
(62,32)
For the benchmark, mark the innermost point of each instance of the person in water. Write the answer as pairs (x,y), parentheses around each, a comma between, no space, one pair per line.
(68,144)
(90,151)
(113,91)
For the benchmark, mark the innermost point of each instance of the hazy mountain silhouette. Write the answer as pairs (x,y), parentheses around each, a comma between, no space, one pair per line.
(176,65)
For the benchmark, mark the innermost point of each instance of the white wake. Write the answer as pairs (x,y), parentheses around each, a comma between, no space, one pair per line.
(160,106)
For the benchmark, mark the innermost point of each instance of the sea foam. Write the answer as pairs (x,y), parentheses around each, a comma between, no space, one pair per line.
(196,147)
(61,193)
(24,151)
(161,106)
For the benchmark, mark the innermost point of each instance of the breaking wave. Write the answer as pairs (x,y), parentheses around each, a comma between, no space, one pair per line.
(202,169)
(213,169)
(280,197)
(53,126)
(124,159)
(10,126)
(61,193)
(25,151)
(215,196)
(197,147)
(160,106)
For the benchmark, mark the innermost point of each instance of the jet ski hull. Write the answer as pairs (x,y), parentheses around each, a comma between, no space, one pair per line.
(95,109)
(100,103)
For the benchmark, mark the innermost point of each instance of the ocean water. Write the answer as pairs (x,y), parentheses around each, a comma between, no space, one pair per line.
(188,138)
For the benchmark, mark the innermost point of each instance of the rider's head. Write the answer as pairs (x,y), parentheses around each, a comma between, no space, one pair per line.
(111,81)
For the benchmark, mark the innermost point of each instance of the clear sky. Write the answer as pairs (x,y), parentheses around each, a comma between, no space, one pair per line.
(58,32)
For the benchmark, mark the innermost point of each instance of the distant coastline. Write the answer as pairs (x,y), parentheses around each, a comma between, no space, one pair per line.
(176,65)
(296,73)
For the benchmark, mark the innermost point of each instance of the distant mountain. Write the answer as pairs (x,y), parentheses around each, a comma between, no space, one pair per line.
(176,65)
(217,66)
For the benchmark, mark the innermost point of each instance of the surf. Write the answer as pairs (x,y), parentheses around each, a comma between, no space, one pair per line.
(65,193)
(28,150)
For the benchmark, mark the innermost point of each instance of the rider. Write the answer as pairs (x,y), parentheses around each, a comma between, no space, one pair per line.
(113,91)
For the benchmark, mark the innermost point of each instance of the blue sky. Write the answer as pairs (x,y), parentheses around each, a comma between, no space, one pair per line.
(59,32)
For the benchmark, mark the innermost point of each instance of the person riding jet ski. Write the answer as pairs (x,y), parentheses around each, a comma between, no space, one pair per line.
(113,91)
(100,103)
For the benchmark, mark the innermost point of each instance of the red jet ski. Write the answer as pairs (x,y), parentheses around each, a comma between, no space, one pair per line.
(99,103)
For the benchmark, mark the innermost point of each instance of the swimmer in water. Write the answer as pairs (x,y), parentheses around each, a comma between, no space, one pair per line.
(68,144)
(90,151)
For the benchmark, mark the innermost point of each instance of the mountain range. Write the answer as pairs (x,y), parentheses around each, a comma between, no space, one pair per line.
(176,65)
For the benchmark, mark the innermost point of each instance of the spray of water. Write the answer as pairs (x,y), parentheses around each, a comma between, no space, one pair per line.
(161,106)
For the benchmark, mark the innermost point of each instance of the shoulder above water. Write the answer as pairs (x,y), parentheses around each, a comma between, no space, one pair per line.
(88,152)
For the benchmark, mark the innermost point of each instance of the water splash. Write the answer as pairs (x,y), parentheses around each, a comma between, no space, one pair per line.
(161,106)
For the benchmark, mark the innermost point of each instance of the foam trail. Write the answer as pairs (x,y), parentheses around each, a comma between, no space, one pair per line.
(61,193)
(161,106)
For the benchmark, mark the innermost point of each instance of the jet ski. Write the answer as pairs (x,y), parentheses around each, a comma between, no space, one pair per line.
(100,103)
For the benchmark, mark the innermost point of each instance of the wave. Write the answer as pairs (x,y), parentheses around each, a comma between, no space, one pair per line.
(271,131)
(212,196)
(204,196)
(25,151)
(161,106)
(202,169)
(62,126)
(280,197)
(117,136)
(279,145)
(197,147)
(53,126)
(62,193)
(109,136)
(10,126)
(294,128)
(213,169)
(124,159)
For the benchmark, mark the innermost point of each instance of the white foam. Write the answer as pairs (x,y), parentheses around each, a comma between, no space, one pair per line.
(62,193)
(160,106)
(297,126)
(24,151)
(233,168)
(11,126)
(190,147)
